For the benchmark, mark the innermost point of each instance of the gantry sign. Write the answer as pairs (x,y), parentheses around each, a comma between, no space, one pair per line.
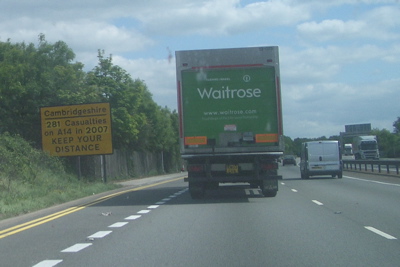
(77,130)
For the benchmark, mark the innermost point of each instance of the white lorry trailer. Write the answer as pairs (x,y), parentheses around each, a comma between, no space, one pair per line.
(230,115)
(321,158)
(365,147)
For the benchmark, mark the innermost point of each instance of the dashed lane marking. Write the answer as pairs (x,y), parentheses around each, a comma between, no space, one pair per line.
(48,263)
(379,232)
(143,211)
(133,217)
(118,224)
(100,234)
(77,247)
(317,202)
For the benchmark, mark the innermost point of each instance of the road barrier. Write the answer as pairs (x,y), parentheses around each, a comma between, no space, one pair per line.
(392,166)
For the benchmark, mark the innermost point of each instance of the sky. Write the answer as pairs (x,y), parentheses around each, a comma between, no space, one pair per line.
(339,60)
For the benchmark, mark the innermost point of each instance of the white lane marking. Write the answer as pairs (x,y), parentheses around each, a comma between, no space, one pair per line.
(133,217)
(100,234)
(282,183)
(379,232)
(48,263)
(143,211)
(166,199)
(160,203)
(317,202)
(118,224)
(77,247)
(294,190)
(252,192)
(370,181)
(153,206)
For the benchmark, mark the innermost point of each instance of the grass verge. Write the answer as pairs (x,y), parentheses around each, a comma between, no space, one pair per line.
(31,180)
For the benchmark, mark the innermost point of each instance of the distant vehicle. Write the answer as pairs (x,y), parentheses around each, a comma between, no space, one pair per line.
(348,149)
(320,158)
(289,159)
(365,147)
(230,117)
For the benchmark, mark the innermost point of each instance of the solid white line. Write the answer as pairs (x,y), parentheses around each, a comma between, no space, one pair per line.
(77,247)
(143,211)
(48,263)
(294,190)
(364,180)
(118,224)
(133,217)
(153,206)
(100,234)
(317,202)
(376,231)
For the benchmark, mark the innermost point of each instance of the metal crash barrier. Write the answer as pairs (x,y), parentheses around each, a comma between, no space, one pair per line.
(391,166)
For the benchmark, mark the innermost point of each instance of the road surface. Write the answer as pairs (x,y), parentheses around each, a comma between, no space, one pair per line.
(353,221)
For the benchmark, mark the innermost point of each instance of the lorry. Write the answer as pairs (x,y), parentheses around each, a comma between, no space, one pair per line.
(321,158)
(348,150)
(230,117)
(365,147)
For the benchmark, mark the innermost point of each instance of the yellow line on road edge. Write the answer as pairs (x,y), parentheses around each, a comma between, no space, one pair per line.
(51,217)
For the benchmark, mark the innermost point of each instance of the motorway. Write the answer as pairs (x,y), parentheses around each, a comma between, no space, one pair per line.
(353,221)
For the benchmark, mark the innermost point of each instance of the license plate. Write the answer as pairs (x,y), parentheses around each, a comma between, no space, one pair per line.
(316,167)
(232,169)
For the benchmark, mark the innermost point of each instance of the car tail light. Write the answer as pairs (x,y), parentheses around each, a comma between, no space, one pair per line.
(269,166)
(195,168)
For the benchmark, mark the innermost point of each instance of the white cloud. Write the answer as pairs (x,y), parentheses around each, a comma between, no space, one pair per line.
(82,35)
(380,24)
(331,29)
(217,17)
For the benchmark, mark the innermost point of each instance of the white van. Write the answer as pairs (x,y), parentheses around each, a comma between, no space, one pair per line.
(320,158)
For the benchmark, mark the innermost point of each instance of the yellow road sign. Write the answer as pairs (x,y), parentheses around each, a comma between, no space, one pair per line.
(77,130)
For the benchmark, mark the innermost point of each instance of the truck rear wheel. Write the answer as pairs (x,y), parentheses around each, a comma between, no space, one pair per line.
(267,188)
(269,193)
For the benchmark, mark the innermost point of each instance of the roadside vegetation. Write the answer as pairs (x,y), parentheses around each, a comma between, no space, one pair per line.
(388,142)
(31,180)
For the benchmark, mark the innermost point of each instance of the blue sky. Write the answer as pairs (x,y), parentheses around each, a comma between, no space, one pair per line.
(340,60)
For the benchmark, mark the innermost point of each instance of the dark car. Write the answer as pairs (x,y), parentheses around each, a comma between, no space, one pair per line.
(289,159)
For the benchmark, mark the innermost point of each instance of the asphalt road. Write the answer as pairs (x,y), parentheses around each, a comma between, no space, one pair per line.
(353,221)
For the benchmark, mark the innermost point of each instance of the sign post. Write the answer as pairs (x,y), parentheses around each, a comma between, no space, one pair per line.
(77,130)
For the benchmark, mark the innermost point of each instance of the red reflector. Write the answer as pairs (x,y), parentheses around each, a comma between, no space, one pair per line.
(269,166)
(195,168)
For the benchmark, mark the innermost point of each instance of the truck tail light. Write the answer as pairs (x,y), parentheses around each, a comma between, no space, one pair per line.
(269,166)
(195,168)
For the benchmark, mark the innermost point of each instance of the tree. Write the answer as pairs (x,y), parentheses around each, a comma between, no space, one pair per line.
(35,76)
(396,126)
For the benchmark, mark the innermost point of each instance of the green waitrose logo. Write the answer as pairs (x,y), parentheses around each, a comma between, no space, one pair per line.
(226,93)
